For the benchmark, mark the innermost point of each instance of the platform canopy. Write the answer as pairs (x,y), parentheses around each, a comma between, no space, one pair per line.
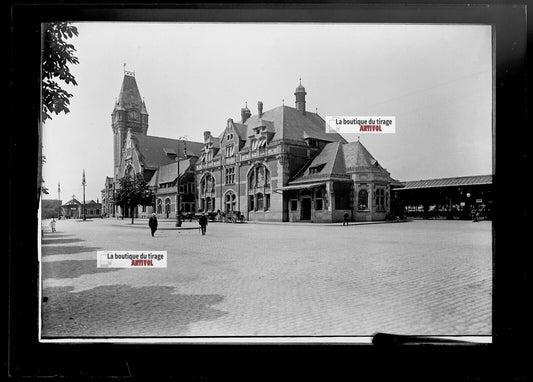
(448,182)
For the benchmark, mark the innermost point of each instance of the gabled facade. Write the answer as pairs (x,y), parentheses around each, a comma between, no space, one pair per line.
(246,166)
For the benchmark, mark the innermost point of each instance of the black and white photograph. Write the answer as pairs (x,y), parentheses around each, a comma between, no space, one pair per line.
(194,190)
(268,190)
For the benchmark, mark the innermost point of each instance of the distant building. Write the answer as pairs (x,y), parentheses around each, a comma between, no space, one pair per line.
(73,209)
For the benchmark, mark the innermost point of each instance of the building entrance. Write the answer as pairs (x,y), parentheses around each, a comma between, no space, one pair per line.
(306,209)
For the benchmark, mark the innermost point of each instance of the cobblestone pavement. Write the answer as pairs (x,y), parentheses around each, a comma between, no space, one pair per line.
(420,277)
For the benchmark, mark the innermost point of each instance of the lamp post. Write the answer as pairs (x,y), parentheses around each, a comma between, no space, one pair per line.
(178,201)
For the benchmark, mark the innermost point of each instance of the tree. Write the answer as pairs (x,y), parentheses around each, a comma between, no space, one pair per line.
(133,192)
(57,56)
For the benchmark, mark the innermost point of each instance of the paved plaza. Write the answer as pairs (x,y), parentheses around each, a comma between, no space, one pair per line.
(419,277)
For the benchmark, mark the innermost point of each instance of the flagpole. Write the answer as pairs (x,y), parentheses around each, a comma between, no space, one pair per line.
(59,198)
(83,184)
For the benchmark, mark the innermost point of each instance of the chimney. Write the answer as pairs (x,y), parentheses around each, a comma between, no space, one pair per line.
(207,135)
(259,108)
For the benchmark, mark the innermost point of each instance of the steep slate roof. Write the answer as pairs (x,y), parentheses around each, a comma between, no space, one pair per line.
(357,156)
(339,159)
(153,150)
(288,123)
(129,96)
(168,172)
(332,158)
(449,182)
(241,130)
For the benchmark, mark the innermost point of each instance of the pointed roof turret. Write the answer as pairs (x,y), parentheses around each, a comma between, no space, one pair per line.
(129,96)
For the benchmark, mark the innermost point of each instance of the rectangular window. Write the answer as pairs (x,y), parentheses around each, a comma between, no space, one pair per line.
(229,150)
(318,204)
(251,203)
(267,201)
(380,199)
(260,202)
(294,205)
(230,175)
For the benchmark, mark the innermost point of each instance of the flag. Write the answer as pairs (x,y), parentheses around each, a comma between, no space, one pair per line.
(83,183)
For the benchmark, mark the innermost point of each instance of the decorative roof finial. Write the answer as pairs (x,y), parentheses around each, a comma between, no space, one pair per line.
(300,80)
(124,67)
(316,110)
(283,101)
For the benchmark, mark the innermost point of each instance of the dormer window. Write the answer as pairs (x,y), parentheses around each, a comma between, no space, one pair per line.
(209,155)
(170,153)
(262,142)
(255,144)
(312,142)
(316,169)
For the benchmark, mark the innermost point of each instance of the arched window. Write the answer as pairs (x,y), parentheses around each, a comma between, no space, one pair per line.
(231,201)
(362,203)
(259,188)
(207,192)
(159,208)
(167,206)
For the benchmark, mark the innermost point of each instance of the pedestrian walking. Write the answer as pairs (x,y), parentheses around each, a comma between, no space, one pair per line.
(152,222)
(53,225)
(203,223)
(346,217)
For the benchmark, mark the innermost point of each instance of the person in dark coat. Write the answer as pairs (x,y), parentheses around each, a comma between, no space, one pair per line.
(203,223)
(346,219)
(152,222)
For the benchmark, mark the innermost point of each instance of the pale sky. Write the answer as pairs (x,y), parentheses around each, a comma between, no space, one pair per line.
(436,80)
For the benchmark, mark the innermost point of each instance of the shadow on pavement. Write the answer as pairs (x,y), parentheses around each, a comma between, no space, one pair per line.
(67,269)
(66,250)
(123,311)
(54,235)
(59,241)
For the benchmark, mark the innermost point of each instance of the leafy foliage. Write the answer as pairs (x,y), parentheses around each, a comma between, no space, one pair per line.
(133,191)
(57,56)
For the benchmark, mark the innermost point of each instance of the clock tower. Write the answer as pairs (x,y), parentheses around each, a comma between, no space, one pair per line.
(129,113)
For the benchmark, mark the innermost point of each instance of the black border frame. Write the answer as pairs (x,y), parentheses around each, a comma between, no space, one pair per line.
(29,358)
